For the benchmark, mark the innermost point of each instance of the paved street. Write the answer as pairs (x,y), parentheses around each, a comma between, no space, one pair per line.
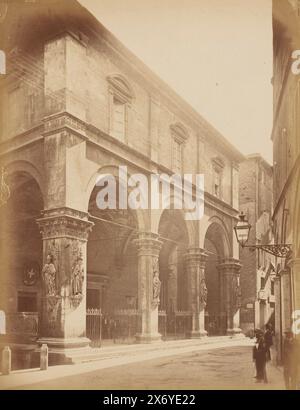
(211,368)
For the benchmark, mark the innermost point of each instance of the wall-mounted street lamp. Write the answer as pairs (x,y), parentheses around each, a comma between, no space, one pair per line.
(242,230)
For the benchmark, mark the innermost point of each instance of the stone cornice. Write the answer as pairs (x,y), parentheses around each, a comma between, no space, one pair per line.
(64,121)
(219,205)
(19,141)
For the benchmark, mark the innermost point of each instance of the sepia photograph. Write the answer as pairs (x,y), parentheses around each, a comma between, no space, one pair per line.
(149,198)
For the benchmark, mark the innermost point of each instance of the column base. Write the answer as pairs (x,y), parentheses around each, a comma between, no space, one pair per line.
(236,331)
(148,337)
(197,334)
(66,351)
(64,343)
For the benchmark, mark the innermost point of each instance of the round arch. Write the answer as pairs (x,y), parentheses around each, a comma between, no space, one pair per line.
(112,170)
(217,232)
(23,166)
(189,226)
(21,241)
(174,235)
(217,244)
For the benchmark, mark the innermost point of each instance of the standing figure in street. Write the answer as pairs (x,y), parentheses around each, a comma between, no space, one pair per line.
(268,340)
(290,361)
(260,357)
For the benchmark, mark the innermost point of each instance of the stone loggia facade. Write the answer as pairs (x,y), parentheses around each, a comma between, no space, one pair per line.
(80,105)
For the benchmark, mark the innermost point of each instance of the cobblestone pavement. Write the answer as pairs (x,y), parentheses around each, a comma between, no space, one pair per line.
(222,368)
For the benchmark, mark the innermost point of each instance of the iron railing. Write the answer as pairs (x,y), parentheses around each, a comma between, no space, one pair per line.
(122,325)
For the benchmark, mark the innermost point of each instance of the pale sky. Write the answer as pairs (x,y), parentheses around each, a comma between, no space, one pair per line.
(216,54)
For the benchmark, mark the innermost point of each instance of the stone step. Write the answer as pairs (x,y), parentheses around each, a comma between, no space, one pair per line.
(113,352)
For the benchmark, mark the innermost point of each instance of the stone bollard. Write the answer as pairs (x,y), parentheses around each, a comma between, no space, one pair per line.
(6,360)
(44,357)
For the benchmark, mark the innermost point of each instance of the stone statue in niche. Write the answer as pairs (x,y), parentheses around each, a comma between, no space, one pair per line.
(77,276)
(156,285)
(203,292)
(49,275)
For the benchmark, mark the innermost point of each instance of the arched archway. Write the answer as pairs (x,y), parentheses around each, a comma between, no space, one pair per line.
(21,250)
(114,171)
(112,269)
(216,244)
(174,235)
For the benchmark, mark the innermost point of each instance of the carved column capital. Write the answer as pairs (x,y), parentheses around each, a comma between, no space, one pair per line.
(65,223)
(229,266)
(196,257)
(148,244)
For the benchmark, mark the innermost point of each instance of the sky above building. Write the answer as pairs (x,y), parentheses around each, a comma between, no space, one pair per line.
(216,54)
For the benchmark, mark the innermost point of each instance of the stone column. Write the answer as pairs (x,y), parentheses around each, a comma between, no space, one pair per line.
(197,292)
(172,283)
(172,287)
(286,302)
(148,286)
(278,319)
(230,294)
(63,316)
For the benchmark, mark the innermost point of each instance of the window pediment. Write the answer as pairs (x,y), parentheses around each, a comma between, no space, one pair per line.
(218,164)
(179,132)
(121,88)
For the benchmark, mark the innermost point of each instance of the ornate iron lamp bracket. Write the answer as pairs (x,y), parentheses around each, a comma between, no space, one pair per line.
(279,250)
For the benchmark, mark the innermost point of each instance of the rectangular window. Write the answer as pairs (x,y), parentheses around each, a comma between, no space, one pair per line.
(119,112)
(217,184)
(27,302)
(177,156)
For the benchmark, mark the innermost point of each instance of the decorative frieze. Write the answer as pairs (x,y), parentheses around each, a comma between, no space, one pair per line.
(65,223)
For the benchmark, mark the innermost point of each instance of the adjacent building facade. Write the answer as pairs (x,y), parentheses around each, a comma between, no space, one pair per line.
(77,104)
(286,140)
(257,272)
